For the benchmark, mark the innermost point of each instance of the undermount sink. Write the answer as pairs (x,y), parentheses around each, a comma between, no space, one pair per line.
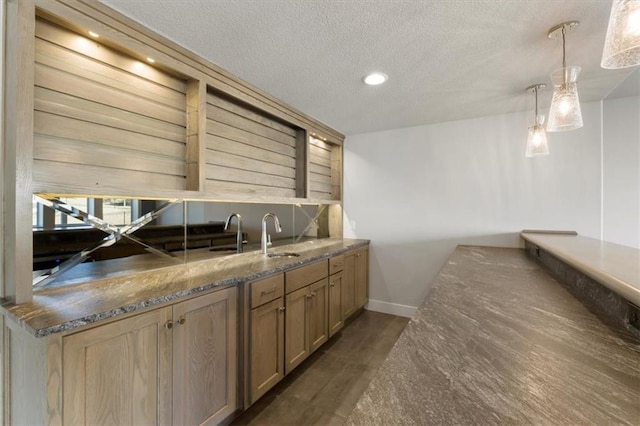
(283,255)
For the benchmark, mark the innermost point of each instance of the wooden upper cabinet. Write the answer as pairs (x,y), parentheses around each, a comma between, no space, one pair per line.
(103,119)
(119,373)
(107,122)
(247,150)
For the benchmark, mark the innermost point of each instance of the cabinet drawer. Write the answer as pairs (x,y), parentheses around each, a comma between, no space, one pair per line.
(266,290)
(306,275)
(336,264)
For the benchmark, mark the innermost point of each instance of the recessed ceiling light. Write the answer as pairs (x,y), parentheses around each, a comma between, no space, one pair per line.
(94,35)
(151,60)
(375,78)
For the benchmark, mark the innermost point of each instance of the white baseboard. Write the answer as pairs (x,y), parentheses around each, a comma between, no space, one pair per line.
(390,308)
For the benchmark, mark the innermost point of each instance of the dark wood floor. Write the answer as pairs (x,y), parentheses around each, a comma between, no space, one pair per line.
(326,387)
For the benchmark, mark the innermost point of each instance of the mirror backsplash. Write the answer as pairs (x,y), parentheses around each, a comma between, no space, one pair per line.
(77,239)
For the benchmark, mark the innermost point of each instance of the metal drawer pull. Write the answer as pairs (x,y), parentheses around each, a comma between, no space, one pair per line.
(182,320)
(309,296)
(273,290)
(281,309)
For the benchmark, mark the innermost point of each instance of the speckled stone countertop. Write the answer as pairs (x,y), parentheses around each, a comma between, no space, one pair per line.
(63,308)
(499,341)
(615,266)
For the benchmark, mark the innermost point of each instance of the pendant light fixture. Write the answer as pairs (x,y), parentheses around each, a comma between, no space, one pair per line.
(622,45)
(537,144)
(564,113)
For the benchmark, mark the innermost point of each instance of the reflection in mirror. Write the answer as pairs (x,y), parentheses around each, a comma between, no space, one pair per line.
(79,239)
(297,222)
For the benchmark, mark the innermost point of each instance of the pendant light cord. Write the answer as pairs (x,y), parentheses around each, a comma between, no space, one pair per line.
(564,58)
(535,90)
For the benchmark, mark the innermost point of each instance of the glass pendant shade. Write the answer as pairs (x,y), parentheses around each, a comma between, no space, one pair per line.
(537,144)
(622,45)
(564,113)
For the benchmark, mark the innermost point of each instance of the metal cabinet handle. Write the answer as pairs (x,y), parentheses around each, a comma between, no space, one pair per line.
(182,320)
(309,296)
(273,290)
(333,284)
(281,309)
(168,325)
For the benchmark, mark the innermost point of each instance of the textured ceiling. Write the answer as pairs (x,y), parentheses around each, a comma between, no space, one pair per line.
(446,59)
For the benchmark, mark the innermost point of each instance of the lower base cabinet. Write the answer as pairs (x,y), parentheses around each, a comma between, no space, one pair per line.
(266,341)
(174,365)
(119,373)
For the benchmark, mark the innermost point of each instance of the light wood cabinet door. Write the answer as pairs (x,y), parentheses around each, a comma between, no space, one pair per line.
(362,277)
(204,358)
(266,347)
(318,314)
(119,373)
(297,336)
(349,285)
(335,303)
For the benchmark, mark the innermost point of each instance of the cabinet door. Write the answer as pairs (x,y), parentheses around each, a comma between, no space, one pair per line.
(318,312)
(349,285)
(266,347)
(204,358)
(119,373)
(335,303)
(362,277)
(296,328)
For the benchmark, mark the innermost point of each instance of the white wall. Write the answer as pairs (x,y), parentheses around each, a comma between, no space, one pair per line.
(418,192)
(621,170)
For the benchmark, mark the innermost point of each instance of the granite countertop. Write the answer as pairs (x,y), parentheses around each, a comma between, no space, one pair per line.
(499,341)
(614,265)
(66,307)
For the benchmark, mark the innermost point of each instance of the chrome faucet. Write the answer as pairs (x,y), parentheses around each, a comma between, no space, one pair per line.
(239,235)
(266,241)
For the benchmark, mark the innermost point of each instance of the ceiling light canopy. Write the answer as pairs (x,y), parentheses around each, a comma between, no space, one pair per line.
(564,113)
(537,144)
(375,78)
(622,45)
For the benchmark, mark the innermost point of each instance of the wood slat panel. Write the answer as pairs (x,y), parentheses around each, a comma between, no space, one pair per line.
(232,147)
(244,163)
(61,81)
(64,60)
(239,122)
(244,176)
(69,106)
(319,170)
(321,187)
(67,128)
(87,47)
(79,152)
(214,100)
(322,161)
(52,172)
(315,195)
(239,135)
(257,192)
